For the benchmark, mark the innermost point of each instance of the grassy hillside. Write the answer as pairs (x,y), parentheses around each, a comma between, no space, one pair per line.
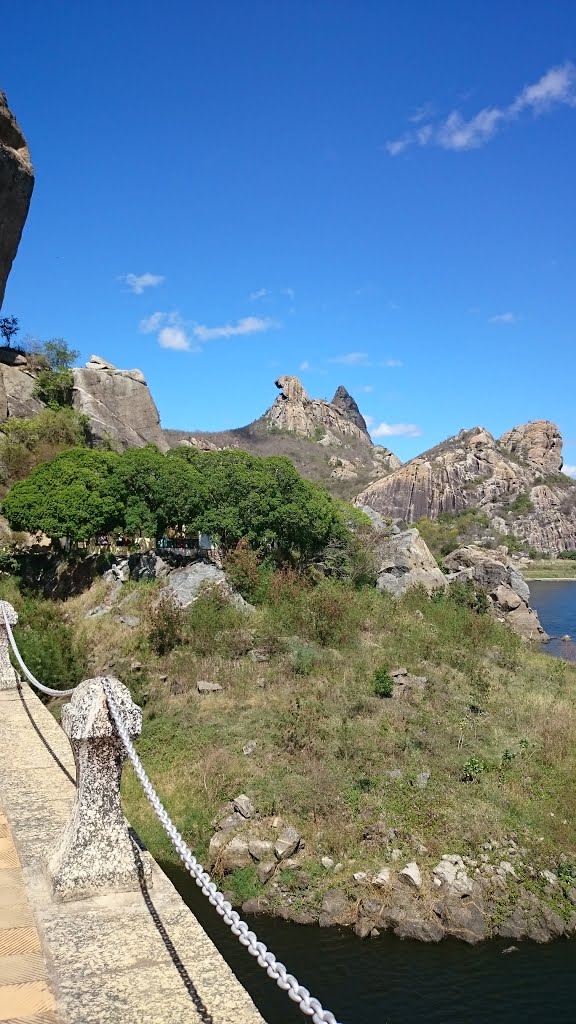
(495,725)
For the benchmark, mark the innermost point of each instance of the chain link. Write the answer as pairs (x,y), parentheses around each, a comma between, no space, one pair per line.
(274,968)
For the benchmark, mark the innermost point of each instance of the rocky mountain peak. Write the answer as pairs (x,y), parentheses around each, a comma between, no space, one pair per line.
(296,412)
(538,442)
(16,184)
(348,407)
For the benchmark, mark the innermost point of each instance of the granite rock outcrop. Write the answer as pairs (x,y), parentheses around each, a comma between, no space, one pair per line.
(16,185)
(516,481)
(118,404)
(297,413)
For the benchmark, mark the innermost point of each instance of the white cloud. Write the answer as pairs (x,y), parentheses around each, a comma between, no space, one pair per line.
(352,359)
(305,365)
(138,283)
(391,363)
(247,325)
(367,389)
(557,87)
(261,293)
(290,293)
(396,430)
(171,330)
(152,323)
(174,337)
(505,318)
(569,470)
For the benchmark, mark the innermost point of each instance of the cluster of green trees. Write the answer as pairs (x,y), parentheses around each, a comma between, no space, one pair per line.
(232,495)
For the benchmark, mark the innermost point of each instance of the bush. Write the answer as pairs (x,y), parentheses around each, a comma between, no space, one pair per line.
(466,594)
(568,555)
(208,617)
(303,658)
(248,573)
(48,645)
(473,769)
(522,504)
(167,623)
(382,685)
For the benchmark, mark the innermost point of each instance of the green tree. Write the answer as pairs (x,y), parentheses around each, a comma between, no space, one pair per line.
(8,328)
(54,380)
(76,495)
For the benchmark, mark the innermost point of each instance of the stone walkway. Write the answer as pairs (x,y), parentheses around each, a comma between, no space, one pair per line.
(25,997)
(125,958)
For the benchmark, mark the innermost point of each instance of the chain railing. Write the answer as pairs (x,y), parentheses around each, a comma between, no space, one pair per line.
(276,970)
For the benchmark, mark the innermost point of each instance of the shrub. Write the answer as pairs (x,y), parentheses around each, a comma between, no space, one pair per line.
(473,769)
(382,684)
(248,573)
(522,504)
(303,657)
(167,622)
(48,645)
(568,555)
(208,617)
(466,594)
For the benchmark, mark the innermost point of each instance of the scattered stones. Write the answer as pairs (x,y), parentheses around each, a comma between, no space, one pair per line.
(244,806)
(510,949)
(395,775)
(382,878)
(287,843)
(327,863)
(422,780)
(129,620)
(231,821)
(549,877)
(360,877)
(411,875)
(204,686)
(396,854)
(249,748)
(506,868)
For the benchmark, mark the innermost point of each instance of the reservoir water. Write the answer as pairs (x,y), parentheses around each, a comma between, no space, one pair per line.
(388,981)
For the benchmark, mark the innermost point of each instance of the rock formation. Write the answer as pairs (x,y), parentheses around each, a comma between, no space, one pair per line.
(296,412)
(506,587)
(17,382)
(16,184)
(516,481)
(118,404)
(348,407)
(405,561)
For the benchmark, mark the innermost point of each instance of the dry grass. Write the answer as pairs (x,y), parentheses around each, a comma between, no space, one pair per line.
(325,743)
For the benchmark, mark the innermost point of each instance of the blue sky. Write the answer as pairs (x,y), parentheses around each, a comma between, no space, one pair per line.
(366,193)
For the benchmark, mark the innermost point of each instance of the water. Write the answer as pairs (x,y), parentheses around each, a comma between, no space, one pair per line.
(555,602)
(388,981)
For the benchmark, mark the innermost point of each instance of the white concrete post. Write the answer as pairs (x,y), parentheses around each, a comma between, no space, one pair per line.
(8,677)
(95,853)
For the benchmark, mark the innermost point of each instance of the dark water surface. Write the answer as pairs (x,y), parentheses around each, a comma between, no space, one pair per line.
(389,981)
(555,602)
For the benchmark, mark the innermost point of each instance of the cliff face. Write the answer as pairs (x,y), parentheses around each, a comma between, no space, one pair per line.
(16,184)
(516,481)
(118,405)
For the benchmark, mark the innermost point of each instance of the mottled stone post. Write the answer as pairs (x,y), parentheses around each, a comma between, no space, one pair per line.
(95,853)
(8,677)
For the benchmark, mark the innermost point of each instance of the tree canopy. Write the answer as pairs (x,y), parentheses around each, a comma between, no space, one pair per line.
(231,495)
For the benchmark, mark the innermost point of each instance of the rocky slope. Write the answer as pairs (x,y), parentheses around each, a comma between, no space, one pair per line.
(516,481)
(327,441)
(16,184)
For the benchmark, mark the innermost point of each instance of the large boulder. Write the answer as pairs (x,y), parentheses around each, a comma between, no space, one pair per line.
(186,584)
(538,442)
(499,577)
(405,561)
(17,384)
(118,405)
(16,184)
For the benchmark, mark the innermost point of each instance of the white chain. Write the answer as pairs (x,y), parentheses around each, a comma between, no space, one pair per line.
(275,970)
(32,679)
